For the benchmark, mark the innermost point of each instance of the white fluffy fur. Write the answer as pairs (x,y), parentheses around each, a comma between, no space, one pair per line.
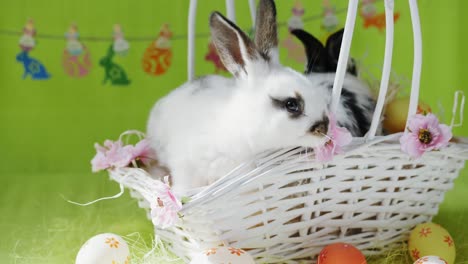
(207,127)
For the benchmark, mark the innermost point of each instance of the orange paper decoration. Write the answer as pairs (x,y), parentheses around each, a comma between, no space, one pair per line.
(158,55)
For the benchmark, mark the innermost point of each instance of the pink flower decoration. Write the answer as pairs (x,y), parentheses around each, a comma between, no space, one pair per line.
(165,210)
(99,162)
(424,133)
(338,138)
(111,155)
(116,155)
(144,152)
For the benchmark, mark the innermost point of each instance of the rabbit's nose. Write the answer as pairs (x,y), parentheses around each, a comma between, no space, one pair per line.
(320,128)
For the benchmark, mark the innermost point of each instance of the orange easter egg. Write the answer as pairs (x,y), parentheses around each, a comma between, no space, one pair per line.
(397,111)
(340,253)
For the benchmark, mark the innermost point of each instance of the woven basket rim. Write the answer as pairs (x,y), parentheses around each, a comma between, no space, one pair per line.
(239,176)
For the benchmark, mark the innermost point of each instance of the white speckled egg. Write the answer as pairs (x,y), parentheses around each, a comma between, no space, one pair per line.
(104,249)
(430,260)
(219,255)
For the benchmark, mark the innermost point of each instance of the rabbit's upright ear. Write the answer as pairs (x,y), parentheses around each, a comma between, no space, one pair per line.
(234,47)
(317,57)
(333,48)
(266,35)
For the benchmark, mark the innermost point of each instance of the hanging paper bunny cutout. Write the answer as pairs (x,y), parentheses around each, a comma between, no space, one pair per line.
(32,66)
(295,50)
(113,72)
(76,59)
(158,56)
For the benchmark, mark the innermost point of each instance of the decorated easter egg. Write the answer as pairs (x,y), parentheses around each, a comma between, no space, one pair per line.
(339,253)
(104,249)
(430,260)
(158,56)
(156,61)
(429,239)
(220,255)
(397,111)
(77,65)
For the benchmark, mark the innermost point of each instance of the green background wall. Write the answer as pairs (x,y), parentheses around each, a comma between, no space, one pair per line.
(48,127)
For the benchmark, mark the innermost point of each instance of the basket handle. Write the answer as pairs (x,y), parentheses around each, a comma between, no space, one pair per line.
(253,14)
(231,10)
(344,53)
(417,60)
(386,70)
(231,14)
(191,39)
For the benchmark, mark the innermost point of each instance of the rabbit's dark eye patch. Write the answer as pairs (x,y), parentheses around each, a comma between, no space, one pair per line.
(293,105)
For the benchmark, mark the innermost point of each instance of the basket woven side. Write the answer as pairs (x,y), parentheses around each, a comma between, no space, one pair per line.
(290,207)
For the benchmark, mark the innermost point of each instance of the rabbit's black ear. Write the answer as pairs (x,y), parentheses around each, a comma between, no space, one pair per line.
(266,36)
(333,48)
(234,47)
(317,57)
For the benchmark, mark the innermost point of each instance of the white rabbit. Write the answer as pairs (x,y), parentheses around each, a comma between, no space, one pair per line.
(357,103)
(207,127)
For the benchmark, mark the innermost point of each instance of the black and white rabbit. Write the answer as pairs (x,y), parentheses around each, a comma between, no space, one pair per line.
(207,127)
(357,103)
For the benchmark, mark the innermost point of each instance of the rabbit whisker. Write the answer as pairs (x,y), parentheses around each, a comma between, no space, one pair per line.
(327,136)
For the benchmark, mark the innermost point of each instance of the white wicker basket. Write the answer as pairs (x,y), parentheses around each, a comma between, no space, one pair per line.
(290,207)
(284,207)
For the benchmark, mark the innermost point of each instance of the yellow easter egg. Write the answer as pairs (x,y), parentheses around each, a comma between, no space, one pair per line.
(396,112)
(431,239)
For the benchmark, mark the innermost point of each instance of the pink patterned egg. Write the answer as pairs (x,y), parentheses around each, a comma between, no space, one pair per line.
(430,260)
(77,65)
(221,255)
